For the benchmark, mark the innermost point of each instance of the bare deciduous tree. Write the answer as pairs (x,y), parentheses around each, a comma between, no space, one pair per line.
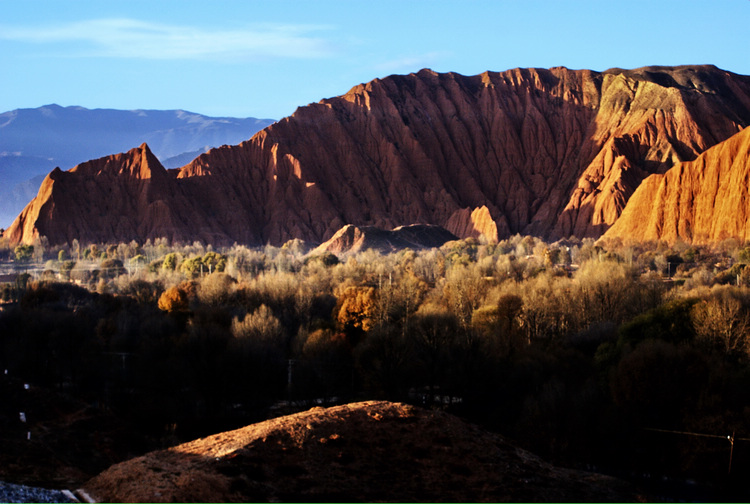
(723,322)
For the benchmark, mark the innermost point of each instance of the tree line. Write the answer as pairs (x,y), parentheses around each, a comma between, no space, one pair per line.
(583,352)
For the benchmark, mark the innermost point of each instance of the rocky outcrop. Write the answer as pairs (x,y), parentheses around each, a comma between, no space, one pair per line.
(648,119)
(551,153)
(131,196)
(474,224)
(117,198)
(361,452)
(351,239)
(698,202)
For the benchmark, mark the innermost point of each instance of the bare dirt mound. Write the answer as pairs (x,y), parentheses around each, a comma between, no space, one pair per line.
(369,451)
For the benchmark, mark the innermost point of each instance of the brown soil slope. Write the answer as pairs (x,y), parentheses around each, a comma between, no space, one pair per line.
(546,152)
(703,201)
(371,451)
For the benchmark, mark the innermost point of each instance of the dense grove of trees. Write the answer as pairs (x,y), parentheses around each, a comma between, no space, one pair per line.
(584,353)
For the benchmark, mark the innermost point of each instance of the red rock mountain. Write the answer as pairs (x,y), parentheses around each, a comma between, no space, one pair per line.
(702,201)
(546,152)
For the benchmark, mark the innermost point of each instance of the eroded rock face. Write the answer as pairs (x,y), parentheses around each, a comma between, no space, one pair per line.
(109,196)
(551,153)
(698,202)
(475,223)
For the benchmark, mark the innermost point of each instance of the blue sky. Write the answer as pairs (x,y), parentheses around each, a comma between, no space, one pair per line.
(265,58)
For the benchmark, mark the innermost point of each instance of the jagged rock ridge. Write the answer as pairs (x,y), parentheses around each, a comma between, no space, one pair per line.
(34,141)
(552,153)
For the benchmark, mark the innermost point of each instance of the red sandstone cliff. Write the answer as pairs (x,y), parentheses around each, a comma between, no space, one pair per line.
(546,152)
(113,195)
(701,201)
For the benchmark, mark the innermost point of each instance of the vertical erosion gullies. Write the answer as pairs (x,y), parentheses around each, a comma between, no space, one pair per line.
(550,152)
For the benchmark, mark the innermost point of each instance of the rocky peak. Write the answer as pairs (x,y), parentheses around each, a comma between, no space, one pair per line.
(137,163)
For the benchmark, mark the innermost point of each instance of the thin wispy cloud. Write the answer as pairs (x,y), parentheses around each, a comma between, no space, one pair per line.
(131,38)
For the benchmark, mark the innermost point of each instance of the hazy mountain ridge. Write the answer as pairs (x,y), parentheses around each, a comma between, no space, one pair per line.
(551,153)
(182,159)
(51,131)
(35,141)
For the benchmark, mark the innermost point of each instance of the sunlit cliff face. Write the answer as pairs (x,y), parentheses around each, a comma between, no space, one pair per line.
(551,153)
(701,201)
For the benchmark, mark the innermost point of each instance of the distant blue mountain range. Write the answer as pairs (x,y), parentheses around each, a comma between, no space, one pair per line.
(35,141)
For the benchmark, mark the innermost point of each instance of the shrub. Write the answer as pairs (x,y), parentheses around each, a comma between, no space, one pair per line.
(24,253)
(357,308)
(112,268)
(144,292)
(193,267)
(174,299)
(214,289)
(327,259)
(722,322)
(170,261)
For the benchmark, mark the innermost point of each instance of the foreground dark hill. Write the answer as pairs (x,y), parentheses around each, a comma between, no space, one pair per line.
(552,153)
(363,452)
(35,141)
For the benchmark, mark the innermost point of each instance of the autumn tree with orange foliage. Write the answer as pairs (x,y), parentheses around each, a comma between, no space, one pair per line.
(174,299)
(356,308)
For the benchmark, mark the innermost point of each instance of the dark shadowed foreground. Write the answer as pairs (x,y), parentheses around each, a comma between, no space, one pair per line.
(368,451)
